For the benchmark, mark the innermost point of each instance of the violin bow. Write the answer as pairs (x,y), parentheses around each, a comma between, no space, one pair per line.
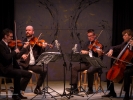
(121,60)
(35,43)
(99,34)
(15,33)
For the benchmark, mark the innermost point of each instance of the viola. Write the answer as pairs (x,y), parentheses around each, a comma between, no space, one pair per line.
(95,46)
(14,43)
(116,72)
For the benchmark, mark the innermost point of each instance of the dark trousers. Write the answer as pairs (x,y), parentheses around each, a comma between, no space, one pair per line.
(17,74)
(75,70)
(90,71)
(110,86)
(39,70)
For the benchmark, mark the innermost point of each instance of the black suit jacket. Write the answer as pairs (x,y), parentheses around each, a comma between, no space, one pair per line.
(36,52)
(7,58)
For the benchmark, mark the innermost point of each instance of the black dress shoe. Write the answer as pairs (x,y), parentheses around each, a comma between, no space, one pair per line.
(109,95)
(89,91)
(16,97)
(22,97)
(74,91)
(37,91)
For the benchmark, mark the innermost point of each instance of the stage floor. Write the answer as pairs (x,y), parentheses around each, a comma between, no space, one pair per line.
(58,87)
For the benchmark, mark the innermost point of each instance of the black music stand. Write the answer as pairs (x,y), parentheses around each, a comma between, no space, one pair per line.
(97,62)
(45,58)
(78,57)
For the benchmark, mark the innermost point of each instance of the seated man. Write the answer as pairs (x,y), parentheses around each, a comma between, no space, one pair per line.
(28,60)
(86,65)
(9,66)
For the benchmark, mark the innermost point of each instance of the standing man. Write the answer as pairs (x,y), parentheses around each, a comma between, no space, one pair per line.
(9,66)
(28,60)
(127,35)
(85,65)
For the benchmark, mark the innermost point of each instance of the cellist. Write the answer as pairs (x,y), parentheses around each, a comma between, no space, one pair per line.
(127,35)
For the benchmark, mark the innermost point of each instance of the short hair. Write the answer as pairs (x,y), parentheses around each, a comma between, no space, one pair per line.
(6,31)
(91,30)
(128,31)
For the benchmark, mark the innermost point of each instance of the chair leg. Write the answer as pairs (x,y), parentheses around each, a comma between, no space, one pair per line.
(6,90)
(85,77)
(80,82)
(96,81)
(31,83)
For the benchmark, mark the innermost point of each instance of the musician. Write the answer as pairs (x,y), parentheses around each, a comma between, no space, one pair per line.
(27,61)
(85,65)
(9,66)
(127,35)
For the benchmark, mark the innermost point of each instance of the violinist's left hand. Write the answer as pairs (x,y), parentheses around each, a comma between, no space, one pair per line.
(50,45)
(46,44)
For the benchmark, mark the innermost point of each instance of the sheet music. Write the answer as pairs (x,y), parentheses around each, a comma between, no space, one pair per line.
(46,57)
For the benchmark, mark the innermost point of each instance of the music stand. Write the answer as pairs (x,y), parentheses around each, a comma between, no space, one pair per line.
(78,57)
(45,58)
(97,62)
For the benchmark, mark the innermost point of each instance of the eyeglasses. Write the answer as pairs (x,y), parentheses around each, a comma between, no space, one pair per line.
(11,36)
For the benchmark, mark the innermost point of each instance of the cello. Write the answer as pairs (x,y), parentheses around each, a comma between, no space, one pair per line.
(116,72)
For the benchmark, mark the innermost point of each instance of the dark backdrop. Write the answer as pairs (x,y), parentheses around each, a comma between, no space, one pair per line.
(122,17)
(7,14)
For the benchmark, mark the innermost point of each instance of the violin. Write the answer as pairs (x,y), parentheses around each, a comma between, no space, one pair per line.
(14,43)
(34,41)
(95,46)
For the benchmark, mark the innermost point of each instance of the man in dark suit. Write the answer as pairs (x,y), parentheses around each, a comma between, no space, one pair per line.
(86,65)
(127,35)
(28,60)
(9,66)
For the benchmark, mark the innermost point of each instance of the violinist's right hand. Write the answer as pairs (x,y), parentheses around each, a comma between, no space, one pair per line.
(24,56)
(110,53)
(17,50)
(26,44)
(84,52)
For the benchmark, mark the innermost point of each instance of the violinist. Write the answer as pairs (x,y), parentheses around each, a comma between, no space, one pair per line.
(90,49)
(9,66)
(27,61)
(127,35)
